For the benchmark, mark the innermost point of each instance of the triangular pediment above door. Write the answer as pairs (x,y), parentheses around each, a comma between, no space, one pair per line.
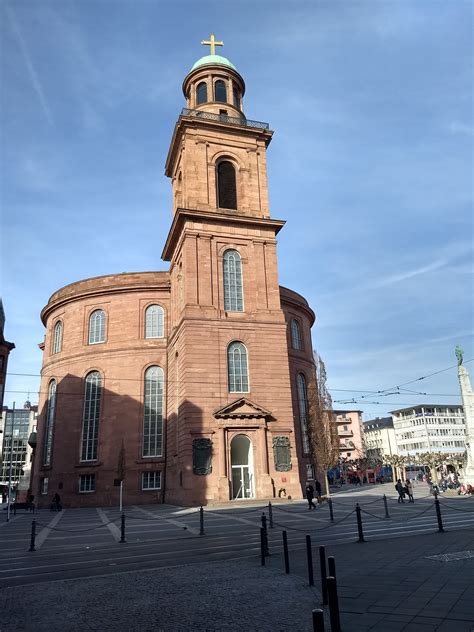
(242,408)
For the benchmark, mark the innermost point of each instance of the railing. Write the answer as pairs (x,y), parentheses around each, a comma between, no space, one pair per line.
(224,118)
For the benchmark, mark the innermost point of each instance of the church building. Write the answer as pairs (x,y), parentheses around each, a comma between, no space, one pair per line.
(190,385)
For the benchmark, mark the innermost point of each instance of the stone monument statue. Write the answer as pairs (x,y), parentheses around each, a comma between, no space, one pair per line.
(468,405)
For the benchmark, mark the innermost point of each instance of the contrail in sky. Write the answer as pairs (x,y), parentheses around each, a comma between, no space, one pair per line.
(29,64)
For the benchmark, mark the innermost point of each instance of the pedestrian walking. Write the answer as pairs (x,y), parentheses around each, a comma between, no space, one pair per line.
(401,492)
(310,496)
(56,504)
(409,488)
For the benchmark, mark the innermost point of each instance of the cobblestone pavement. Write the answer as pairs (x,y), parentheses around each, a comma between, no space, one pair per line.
(232,595)
(167,577)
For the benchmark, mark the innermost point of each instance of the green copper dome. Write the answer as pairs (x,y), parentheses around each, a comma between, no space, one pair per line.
(213,59)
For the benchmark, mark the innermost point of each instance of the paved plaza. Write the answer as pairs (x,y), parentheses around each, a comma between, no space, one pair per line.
(166,576)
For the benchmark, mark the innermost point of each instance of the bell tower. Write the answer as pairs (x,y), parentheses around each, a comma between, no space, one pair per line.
(227,356)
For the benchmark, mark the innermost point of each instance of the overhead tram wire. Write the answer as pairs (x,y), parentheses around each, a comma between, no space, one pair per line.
(381,393)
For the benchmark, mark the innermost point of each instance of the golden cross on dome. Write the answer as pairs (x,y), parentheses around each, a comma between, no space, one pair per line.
(212,43)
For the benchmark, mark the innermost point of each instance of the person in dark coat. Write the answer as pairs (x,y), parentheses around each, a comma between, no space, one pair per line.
(310,496)
(401,491)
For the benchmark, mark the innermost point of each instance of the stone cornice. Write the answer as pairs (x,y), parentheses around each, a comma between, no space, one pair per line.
(108,284)
(183,214)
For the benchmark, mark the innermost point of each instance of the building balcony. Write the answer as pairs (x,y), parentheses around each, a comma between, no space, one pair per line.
(223,118)
(344,433)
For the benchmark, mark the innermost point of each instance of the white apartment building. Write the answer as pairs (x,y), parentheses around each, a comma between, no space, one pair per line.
(429,428)
(380,439)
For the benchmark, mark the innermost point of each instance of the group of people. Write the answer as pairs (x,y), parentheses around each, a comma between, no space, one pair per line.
(310,494)
(404,489)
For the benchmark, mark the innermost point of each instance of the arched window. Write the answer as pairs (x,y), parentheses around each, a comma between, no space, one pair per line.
(303,409)
(236,98)
(97,327)
(50,413)
(201,92)
(90,418)
(58,337)
(154,321)
(220,91)
(237,368)
(226,185)
(295,335)
(233,295)
(153,412)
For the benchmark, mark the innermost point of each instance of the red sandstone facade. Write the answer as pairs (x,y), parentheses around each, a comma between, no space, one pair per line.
(205,402)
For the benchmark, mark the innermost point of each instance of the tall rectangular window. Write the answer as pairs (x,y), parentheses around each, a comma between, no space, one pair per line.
(90,420)
(153,412)
(50,413)
(233,293)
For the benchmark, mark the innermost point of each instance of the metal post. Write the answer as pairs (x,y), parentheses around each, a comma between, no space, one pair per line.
(322,564)
(33,536)
(438,514)
(387,515)
(309,557)
(262,546)
(270,514)
(201,520)
(359,523)
(331,513)
(332,566)
(333,605)
(318,620)
(122,529)
(10,467)
(121,492)
(264,527)
(285,551)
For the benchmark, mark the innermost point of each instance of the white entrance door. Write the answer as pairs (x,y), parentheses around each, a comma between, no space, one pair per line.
(242,467)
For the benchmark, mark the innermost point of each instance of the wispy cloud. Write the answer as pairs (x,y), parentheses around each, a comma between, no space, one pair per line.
(461,128)
(34,76)
(409,274)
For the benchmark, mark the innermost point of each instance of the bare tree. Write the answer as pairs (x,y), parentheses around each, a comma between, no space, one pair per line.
(322,430)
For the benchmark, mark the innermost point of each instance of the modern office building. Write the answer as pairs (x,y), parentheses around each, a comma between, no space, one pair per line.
(429,428)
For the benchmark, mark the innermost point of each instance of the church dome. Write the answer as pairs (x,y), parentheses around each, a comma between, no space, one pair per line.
(213,59)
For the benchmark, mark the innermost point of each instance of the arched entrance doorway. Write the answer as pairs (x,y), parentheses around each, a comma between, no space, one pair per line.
(241,456)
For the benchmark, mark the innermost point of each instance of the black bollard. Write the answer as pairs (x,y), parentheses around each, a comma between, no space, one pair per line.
(309,557)
(438,514)
(285,551)
(322,564)
(201,521)
(264,527)
(359,523)
(122,529)
(331,513)
(270,514)
(318,620)
(333,605)
(387,515)
(33,536)
(332,566)
(262,546)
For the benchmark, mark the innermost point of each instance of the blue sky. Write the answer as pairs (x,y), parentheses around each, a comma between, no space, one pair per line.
(370,164)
